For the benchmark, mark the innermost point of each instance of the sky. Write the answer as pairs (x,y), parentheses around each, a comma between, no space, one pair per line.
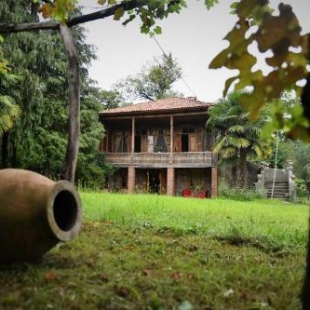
(194,37)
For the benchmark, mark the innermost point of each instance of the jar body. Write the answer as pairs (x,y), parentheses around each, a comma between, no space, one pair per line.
(35,214)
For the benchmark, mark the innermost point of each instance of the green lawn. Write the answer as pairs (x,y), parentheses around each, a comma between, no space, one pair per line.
(159,252)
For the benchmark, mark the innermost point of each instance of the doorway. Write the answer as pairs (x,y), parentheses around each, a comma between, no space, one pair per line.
(184,142)
(154,181)
(137,144)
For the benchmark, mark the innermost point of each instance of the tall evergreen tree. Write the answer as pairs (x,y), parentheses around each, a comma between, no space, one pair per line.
(38,141)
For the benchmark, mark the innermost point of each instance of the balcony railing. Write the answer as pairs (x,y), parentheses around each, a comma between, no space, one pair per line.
(188,159)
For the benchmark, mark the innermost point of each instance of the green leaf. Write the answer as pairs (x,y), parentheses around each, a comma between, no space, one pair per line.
(210,3)
(157,30)
(228,84)
(118,13)
(220,60)
(129,19)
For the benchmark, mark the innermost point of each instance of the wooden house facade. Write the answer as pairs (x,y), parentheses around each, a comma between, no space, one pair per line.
(160,147)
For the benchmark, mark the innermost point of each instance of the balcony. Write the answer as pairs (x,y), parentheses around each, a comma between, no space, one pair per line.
(161,160)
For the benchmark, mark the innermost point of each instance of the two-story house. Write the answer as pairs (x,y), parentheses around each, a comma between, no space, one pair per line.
(161,147)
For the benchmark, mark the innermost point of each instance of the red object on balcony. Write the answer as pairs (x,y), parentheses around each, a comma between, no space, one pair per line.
(186,192)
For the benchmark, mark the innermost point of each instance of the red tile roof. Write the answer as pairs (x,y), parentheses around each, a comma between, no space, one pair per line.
(163,105)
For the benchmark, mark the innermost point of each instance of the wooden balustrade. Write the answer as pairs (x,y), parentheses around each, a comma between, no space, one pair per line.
(188,159)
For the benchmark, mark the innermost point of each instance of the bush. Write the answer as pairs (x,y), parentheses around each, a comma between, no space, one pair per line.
(301,188)
(241,194)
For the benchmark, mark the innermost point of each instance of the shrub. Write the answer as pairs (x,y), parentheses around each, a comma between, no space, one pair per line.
(301,188)
(241,194)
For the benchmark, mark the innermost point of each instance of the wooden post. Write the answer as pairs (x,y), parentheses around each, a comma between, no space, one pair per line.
(131,179)
(171,139)
(214,182)
(170,181)
(133,129)
(74,104)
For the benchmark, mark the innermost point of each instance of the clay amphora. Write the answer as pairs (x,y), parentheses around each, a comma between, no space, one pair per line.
(36,213)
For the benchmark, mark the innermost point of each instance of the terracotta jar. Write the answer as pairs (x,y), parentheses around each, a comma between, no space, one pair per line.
(35,214)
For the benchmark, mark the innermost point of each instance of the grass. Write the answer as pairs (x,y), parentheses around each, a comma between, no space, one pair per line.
(159,252)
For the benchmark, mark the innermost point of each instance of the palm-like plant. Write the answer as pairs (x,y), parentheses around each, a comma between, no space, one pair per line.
(237,138)
(9,111)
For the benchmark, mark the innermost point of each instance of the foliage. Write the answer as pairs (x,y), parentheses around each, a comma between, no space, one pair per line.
(58,10)
(154,81)
(241,194)
(287,64)
(283,150)
(147,11)
(39,138)
(302,189)
(302,162)
(28,94)
(108,99)
(236,137)
(284,112)
(10,111)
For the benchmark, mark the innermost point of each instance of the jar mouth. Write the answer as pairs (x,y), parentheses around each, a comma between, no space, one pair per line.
(64,211)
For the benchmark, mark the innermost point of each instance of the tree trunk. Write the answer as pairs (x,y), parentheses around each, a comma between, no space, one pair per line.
(305,295)
(74,105)
(242,167)
(4,149)
(14,155)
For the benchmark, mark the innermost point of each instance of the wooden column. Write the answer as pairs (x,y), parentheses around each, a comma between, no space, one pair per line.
(131,179)
(214,182)
(107,141)
(171,134)
(170,181)
(133,130)
(131,169)
(171,140)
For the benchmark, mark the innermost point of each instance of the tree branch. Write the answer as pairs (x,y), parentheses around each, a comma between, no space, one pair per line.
(126,6)
(20,27)
(53,25)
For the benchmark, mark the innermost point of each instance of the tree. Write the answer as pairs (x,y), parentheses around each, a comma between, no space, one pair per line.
(282,152)
(27,95)
(108,99)
(9,109)
(89,167)
(153,82)
(237,138)
(38,141)
(290,106)
(9,113)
